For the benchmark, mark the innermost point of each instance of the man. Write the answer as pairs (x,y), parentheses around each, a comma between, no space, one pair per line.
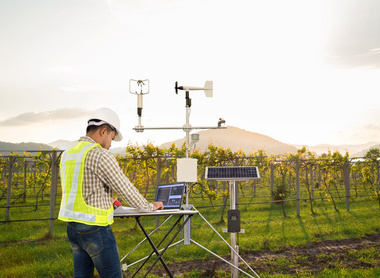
(90,175)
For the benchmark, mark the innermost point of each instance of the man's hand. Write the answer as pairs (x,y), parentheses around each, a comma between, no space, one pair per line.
(157,205)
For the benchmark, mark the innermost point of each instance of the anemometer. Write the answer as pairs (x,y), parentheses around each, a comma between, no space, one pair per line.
(142,87)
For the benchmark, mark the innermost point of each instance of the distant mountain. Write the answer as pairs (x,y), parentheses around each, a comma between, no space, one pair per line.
(63,144)
(236,138)
(231,137)
(118,151)
(6,148)
(353,150)
(363,152)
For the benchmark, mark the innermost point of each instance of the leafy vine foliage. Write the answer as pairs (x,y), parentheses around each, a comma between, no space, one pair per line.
(289,177)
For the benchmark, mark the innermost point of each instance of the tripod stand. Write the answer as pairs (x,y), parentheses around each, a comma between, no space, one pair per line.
(160,252)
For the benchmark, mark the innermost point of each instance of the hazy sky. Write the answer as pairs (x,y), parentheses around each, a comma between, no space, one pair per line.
(302,72)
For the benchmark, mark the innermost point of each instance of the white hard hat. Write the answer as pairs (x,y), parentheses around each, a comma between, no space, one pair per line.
(109,117)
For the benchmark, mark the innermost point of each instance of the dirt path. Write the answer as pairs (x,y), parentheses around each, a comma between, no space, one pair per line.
(350,253)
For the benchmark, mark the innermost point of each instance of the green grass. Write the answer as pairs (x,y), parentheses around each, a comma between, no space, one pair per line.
(332,273)
(25,250)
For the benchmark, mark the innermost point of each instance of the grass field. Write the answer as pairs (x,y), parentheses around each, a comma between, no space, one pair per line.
(27,251)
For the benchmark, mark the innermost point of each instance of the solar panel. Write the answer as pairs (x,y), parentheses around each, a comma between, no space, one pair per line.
(232,173)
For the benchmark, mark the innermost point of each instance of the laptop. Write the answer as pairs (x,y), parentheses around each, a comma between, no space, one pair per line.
(170,194)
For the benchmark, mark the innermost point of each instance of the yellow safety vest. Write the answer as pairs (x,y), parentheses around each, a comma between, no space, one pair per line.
(73,207)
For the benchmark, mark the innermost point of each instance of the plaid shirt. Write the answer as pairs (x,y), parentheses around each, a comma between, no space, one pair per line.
(102,176)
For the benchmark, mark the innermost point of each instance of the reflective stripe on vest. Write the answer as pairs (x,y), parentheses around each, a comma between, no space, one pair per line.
(73,206)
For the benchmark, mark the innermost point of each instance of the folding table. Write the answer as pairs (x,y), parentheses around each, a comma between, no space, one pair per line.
(180,214)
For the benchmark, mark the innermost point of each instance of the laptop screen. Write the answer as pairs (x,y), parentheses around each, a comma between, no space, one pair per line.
(170,194)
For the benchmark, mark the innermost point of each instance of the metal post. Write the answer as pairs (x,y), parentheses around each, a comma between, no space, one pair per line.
(187,126)
(378,176)
(24,190)
(312,181)
(234,257)
(159,170)
(53,190)
(272,181)
(12,159)
(346,179)
(187,227)
(158,181)
(298,187)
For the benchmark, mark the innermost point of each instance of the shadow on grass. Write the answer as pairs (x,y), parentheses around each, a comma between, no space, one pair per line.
(269,219)
(303,229)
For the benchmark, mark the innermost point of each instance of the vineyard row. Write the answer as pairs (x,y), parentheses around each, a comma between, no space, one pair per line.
(33,180)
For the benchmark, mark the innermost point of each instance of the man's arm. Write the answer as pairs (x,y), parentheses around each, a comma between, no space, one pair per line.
(118,182)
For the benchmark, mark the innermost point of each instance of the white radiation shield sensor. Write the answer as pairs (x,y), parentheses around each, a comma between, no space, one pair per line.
(187,170)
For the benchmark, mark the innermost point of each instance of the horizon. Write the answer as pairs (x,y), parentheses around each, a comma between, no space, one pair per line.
(184,137)
(302,72)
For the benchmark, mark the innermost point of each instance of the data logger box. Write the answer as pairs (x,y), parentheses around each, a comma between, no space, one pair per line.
(187,170)
(233,221)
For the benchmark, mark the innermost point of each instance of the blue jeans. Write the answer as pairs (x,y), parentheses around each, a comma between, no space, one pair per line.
(94,246)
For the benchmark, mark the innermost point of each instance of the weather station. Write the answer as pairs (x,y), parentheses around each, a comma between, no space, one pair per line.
(186,167)
(187,174)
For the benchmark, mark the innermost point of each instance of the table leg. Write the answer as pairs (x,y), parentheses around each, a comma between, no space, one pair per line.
(155,250)
(170,242)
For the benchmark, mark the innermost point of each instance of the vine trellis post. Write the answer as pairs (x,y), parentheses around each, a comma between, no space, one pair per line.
(346,179)
(298,187)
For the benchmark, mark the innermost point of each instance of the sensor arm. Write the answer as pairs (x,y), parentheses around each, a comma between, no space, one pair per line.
(141,128)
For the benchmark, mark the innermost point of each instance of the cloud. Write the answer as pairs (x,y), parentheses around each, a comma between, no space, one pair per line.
(353,39)
(365,133)
(31,118)
(79,89)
